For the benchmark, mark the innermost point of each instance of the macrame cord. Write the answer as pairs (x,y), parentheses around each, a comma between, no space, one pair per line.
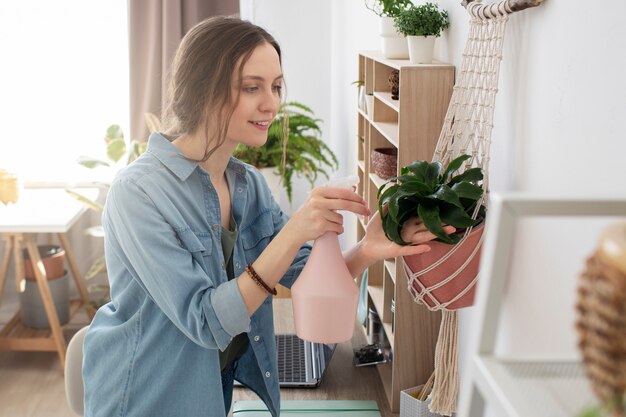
(466,130)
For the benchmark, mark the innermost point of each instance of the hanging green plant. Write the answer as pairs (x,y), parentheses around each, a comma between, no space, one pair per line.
(306,154)
(436,196)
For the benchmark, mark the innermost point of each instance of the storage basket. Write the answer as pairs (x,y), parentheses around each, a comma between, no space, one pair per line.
(410,406)
(385,162)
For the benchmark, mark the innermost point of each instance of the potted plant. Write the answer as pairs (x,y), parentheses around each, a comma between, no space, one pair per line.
(422,24)
(32,310)
(119,153)
(394,45)
(437,197)
(306,153)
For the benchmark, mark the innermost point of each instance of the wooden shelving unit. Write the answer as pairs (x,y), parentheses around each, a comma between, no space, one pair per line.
(412,125)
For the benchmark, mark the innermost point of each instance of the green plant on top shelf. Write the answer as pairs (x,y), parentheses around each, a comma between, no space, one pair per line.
(423,20)
(435,195)
(389,8)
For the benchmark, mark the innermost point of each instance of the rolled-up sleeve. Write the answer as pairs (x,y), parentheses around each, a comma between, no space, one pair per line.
(160,259)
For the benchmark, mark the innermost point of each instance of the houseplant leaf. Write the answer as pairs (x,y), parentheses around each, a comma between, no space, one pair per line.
(431,219)
(89,162)
(116,148)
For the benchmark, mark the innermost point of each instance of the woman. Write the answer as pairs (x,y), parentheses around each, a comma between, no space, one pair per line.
(195,243)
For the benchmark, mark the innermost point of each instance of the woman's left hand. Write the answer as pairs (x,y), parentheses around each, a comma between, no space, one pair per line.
(377,246)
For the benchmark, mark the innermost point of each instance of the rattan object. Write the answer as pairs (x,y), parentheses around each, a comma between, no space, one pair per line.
(384,162)
(601,322)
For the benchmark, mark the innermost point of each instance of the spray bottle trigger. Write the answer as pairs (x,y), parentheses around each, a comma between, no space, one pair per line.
(346,182)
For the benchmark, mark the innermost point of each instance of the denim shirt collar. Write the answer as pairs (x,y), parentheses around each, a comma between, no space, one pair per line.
(177,162)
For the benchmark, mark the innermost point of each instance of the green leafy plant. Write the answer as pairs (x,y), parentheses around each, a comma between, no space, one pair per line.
(119,153)
(423,20)
(389,8)
(435,195)
(306,154)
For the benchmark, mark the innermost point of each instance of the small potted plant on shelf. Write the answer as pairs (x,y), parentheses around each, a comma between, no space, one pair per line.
(436,196)
(421,25)
(394,44)
(306,153)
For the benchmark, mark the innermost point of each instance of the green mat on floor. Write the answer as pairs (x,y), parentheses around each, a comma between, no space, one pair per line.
(309,409)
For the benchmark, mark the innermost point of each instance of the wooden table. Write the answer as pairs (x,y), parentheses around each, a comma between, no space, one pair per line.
(342,381)
(39,210)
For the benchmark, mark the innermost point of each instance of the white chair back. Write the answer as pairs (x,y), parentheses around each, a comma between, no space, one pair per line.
(74,372)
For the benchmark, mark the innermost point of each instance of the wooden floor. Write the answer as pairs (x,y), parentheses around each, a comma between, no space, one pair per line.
(32,385)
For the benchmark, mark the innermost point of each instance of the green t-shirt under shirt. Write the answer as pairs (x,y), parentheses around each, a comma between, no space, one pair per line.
(240,342)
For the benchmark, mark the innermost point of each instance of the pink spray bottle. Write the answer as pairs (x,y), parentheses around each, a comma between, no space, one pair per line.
(325,296)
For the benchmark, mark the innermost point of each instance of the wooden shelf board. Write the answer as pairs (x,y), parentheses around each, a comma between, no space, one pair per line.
(384,370)
(385,97)
(378,182)
(389,333)
(398,63)
(389,130)
(361,165)
(364,114)
(378,298)
(390,265)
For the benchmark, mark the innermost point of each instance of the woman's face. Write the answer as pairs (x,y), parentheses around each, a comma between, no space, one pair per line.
(259,97)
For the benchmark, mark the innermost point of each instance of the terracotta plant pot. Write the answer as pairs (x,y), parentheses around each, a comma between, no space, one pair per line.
(450,290)
(53,258)
(385,162)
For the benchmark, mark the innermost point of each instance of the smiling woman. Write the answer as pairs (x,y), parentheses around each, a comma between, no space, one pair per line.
(64,77)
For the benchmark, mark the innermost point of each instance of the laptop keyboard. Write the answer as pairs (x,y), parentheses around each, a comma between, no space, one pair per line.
(291,367)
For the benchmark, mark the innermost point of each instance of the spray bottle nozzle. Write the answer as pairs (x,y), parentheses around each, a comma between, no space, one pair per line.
(346,182)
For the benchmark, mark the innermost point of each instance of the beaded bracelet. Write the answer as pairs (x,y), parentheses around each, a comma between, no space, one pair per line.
(257,279)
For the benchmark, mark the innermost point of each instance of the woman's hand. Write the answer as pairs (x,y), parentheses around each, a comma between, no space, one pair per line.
(376,246)
(318,214)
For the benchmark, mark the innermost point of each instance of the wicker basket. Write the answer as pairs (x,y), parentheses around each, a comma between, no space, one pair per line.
(385,162)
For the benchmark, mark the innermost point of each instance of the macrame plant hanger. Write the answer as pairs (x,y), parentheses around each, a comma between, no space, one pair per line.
(467,130)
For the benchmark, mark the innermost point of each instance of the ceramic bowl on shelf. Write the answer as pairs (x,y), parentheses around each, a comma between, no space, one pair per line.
(385,162)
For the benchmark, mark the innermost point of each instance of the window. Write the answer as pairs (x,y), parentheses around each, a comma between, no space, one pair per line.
(63,81)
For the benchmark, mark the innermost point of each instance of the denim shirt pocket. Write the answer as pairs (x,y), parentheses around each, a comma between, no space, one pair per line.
(257,235)
(200,246)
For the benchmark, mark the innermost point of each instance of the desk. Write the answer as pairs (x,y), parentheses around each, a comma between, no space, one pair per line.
(39,210)
(342,381)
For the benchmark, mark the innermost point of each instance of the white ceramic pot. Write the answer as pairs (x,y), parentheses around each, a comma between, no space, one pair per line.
(387,27)
(273,180)
(421,49)
(395,47)
(362,104)
(369,101)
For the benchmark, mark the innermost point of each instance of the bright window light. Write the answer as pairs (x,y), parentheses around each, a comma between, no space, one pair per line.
(63,81)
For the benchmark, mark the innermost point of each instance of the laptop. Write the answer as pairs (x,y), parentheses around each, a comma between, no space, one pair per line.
(301,364)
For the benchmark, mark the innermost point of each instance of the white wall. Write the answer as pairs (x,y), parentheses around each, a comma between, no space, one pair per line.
(558,130)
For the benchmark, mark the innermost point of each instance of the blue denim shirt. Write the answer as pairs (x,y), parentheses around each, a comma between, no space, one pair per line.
(153,350)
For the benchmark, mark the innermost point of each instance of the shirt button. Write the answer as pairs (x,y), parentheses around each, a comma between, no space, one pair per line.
(239,189)
(257,338)
(237,265)
(223,265)
(215,227)
(267,374)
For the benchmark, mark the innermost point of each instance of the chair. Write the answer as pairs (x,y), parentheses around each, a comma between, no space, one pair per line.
(74,372)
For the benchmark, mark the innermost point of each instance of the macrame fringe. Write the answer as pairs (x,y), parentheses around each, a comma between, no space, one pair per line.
(446,384)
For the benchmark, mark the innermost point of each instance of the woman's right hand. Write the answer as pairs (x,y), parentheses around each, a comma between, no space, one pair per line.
(318,214)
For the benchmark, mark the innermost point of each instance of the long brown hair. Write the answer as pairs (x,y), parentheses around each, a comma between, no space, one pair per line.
(201,77)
